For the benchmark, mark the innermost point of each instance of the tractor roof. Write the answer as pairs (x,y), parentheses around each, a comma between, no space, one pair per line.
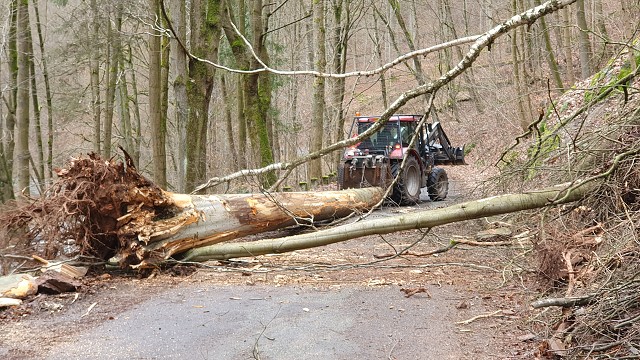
(403,118)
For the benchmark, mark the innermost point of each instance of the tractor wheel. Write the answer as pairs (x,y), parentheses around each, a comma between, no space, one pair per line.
(438,184)
(407,188)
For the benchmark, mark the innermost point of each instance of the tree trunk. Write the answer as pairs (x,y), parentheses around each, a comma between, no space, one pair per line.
(339,64)
(583,40)
(568,45)
(208,219)
(158,126)
(94,70)
(125,110)
(523,115)
(48,96)
(318,110)
(8,131)
(38,162)
(113,60)
(136,127)
(178,65)
(258,95)
(551,59)
(383,82)
(229,124)
(419,74)
(205,38)
(22,100)
(243,138)
(496,205)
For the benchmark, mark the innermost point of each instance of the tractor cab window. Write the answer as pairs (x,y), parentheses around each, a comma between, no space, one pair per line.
(406,132)
(392,134)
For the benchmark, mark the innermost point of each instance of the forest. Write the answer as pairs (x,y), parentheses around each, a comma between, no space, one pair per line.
(202,89)
(255,100)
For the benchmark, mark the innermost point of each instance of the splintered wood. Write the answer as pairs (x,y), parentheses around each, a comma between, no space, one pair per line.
(111,211)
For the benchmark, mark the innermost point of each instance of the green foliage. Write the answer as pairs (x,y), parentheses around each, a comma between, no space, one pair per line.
(61,3)
(213,13)
(508,159)
(611,80)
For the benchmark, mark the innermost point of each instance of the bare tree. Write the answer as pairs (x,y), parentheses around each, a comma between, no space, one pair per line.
(22,99)
(568,44)
(8,130)
(317,129)
(156,118)
(94,70)
(48,96)
(583,40)
(551,59)
(205,39)
(178,65)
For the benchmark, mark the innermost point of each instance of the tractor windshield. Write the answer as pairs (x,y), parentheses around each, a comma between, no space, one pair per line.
(392,134)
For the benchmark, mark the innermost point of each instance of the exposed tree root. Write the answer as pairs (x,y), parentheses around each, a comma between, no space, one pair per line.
(83,212)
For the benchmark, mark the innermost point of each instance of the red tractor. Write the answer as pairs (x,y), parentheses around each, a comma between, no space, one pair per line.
(376,160)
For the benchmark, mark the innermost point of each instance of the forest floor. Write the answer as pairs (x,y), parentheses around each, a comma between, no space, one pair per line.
(333,302)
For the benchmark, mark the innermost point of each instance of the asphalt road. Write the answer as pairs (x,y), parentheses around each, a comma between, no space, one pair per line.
(197,321)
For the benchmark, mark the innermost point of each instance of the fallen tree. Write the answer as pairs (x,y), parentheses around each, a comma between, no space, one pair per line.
(202,220)
(108,210)
(423,219)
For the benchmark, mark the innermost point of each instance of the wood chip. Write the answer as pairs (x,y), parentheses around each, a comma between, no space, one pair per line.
(89,309)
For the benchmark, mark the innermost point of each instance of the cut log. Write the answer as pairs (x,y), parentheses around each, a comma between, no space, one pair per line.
(200,220)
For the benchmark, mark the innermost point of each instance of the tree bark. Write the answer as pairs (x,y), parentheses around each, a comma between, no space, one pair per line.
(125,109)
(551,59)
(496,205)
(318,111)
(157,124)
(22,99)
(205,38)
(583,40)
(113,59)
(94,70)
(8,130)
(38,162)
(229,123)
(208,219)
(48,96)
(568,45)
(178,66)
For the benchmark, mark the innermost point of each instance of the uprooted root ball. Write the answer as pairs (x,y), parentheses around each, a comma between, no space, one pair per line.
(80,213)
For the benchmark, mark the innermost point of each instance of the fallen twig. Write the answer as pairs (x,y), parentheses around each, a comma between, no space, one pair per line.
(481,316)
(89,309)
(411,292)
(564,301)
(452,244)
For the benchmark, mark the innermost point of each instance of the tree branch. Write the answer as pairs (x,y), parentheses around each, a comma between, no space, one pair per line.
(564,301)
(423,219)
(481,42)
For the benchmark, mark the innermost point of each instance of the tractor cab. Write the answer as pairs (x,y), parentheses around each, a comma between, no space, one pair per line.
(391,141)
